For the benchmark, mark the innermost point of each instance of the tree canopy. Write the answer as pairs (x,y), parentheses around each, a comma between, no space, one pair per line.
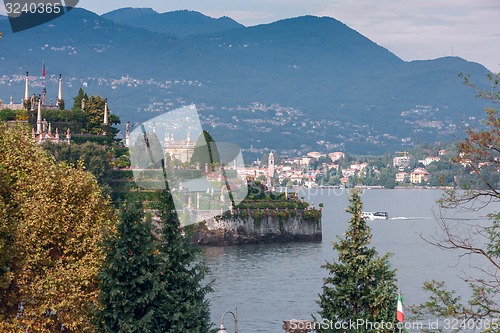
(77,100)
(53,219)
(130,277)
(361,284)
(94,116)
(152,283)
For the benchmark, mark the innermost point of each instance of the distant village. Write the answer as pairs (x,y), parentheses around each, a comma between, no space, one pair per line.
(427,167)
(317,169)
(253,123)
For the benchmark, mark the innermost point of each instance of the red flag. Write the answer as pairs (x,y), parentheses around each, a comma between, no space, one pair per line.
(43,70)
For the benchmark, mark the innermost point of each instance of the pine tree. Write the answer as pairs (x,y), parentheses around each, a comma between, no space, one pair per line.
(130,277)
(184,306)
(361,285)
(152,283)
(77,100)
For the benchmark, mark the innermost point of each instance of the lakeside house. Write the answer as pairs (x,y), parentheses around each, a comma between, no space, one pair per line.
(419,175)
(401,177)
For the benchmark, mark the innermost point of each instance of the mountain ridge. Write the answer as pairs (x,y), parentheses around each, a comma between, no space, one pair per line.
(122,14)
(347,90)
(179,23)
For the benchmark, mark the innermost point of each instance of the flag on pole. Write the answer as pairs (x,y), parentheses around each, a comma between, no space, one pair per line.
(44,74)
(400,316)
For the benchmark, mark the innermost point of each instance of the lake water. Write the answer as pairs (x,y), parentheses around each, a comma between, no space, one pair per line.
(270,283)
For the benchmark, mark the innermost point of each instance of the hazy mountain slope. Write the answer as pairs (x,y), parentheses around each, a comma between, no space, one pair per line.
(322,62)
(83,43)
(330,73)
(123,15)
(177,23)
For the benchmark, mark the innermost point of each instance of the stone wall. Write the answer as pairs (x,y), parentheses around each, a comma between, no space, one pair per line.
(261,227)
(17,107)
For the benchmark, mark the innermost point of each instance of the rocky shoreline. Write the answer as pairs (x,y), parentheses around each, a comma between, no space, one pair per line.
(234,230)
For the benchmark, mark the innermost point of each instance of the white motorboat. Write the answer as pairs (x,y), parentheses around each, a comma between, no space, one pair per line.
(375,216)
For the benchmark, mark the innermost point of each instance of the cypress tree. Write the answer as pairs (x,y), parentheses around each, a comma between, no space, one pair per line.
(205,151)
(77,100)
(361,285)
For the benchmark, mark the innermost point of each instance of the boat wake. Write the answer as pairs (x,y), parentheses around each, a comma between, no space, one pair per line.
(410,218)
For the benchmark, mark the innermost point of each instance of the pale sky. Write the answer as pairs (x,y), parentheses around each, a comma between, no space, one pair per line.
(412,29)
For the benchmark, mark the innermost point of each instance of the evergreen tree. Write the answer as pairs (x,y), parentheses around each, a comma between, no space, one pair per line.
(184,307)
(361,285)
(152,283)
(129,279)
(77,100)
(205,151)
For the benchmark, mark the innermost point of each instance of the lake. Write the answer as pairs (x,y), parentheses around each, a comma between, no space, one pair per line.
(270,283)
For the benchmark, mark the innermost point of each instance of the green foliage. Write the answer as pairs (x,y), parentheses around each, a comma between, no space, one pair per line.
(153,280)
(77,100)
(481,308)
(182,306)
(54,116)
(130,278)
(281,222)
(251,203)
(9,115)
(94,114)
(122,162)
(99,139)
(361,284)
(257,218)
(62,105)
(257,190)
(27,104)
(96,158)
(311,215)
(7,232)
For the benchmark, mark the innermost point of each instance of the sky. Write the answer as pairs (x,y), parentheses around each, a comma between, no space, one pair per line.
(411,29)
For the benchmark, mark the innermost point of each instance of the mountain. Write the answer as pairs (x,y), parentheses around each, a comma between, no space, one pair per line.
(2,17)
(84,44)
(123,15)
(178,23)
(319,63)
(320,53)
(301,83)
